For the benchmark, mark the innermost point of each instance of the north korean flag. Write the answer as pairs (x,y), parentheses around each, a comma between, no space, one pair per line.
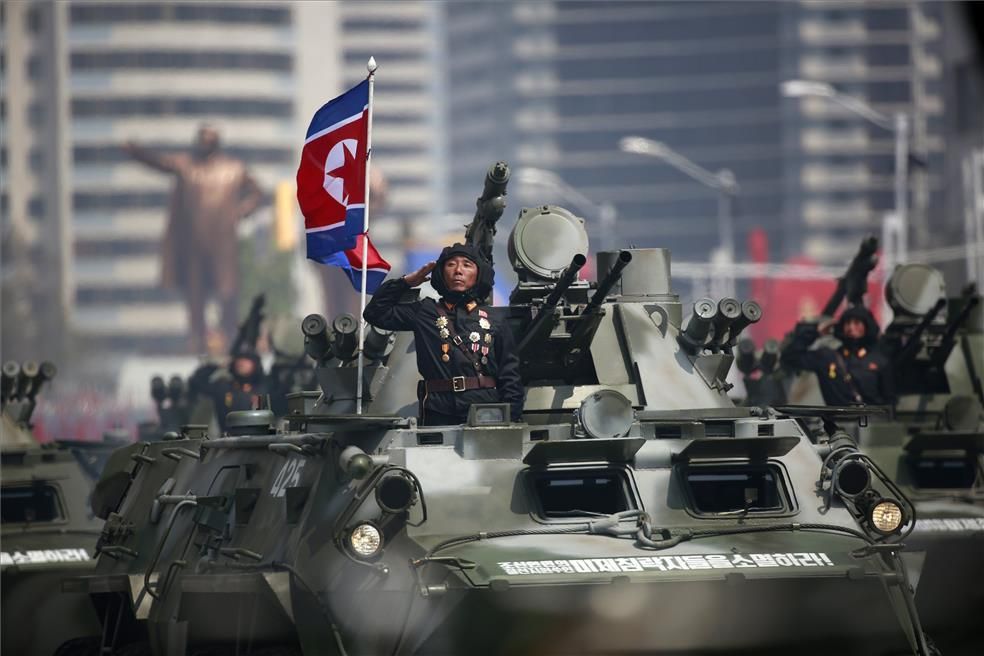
(350,261)
(331,179)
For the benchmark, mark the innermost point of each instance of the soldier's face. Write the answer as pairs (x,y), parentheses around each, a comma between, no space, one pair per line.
(854,329)
(244,367)
(460,273)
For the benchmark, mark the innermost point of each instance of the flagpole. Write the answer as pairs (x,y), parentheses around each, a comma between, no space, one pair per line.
(371,67)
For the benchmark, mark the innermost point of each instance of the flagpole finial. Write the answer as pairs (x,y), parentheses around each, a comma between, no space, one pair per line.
(371,66)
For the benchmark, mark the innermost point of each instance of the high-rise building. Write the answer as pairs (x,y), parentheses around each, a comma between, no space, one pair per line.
(840,166)
(35,178)
(408,127)
(555,85)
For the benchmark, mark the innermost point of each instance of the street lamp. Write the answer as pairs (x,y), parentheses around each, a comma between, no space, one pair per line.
(605,211)
(896,245)
(723,182)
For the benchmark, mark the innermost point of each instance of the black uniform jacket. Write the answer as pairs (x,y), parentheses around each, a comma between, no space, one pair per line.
(385,311)
(846,375)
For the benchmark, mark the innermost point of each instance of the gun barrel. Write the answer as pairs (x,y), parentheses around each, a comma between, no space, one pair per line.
(566,279)
(950,335)
(316,341)
(608,282)
(546,312)
(913,346)
(11,372)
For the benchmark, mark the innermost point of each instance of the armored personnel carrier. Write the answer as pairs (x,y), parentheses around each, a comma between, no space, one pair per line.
(635,509)
(933,448)
(48,532)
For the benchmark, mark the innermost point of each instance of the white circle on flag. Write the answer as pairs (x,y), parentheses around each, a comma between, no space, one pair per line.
(335,186)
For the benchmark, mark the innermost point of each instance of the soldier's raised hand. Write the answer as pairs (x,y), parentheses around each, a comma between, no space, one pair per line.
(420,275)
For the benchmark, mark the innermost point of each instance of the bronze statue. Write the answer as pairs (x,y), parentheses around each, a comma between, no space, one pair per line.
(212,191)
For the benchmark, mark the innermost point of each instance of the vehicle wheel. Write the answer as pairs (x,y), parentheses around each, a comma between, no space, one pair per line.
(133,649)
(277,651)
(88,646)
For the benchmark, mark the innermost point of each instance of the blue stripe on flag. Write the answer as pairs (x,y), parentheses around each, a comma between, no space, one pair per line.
(374,278)
(324,245)
(349,103)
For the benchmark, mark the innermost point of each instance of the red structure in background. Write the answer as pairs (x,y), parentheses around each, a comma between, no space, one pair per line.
(786,300)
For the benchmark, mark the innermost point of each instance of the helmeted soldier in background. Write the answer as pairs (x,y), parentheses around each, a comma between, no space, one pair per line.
(200,252)
(463,356)
(854,372)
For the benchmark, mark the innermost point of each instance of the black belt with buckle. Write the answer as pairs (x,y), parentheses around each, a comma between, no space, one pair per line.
(460,384)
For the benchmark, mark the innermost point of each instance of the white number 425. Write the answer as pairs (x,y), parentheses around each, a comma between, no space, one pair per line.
(289,476)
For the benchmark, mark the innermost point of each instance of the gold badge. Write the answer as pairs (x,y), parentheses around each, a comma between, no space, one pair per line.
(488,338)
(443,332)
(446,358)
(484,323)
(474,337)
(442,322)
(832,370)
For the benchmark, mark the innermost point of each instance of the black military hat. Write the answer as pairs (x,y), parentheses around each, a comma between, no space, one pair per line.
(483,284)
(862,314)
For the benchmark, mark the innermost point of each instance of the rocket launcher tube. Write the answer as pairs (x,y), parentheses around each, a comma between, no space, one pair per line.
(745,360)
(11,371)
(769,359)
(695,334)
(751,312)
(175,389)
(45,373)
(377,340)
(345,338)
(488,210)
(545,316)
(316,342)
(728,310)
(853,283)
(29,371)
(158,390)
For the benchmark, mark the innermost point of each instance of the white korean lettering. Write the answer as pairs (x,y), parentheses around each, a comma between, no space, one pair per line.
(763,560)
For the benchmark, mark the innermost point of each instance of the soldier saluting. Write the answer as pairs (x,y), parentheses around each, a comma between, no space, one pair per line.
(462,356)
(856,372)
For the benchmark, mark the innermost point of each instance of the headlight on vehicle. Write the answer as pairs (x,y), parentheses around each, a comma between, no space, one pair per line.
(886,516)
(365,540)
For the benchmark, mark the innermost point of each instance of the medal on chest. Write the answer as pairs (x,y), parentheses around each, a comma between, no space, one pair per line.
(445,356)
